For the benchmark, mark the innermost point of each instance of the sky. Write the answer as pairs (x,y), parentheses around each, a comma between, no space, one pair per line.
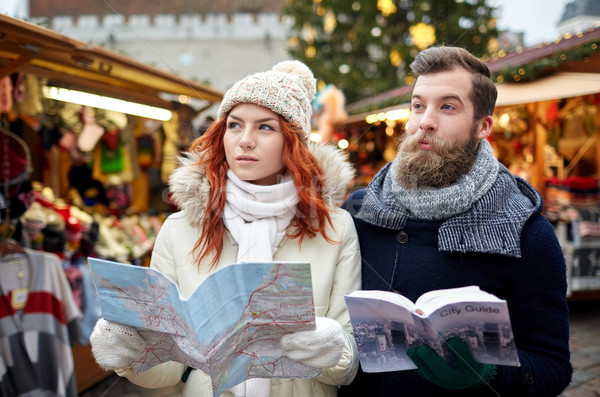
(536,18)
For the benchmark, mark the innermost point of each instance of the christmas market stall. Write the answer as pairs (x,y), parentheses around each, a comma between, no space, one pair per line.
(547,120)
(88,138)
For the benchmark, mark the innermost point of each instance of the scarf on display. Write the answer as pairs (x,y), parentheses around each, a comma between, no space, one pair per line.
(483,211)
(257,217)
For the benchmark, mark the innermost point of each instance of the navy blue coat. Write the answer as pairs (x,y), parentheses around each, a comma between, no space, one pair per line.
(408,261)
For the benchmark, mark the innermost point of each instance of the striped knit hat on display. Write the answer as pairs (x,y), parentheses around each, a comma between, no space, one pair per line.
(287,89)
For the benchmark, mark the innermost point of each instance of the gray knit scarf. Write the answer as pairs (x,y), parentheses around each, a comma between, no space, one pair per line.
(484,211)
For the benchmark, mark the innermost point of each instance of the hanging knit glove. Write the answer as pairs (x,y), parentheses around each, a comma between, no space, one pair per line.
(463,373)
(318,348)
(116,346)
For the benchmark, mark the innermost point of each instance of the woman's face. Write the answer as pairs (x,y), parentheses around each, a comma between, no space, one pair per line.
(254,144)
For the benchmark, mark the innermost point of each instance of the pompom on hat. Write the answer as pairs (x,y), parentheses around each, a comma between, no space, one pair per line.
(287,89)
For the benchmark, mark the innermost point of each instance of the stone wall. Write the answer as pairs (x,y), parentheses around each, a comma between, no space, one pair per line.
(216,49)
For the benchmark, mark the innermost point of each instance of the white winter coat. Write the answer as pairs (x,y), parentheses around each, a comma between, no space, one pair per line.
(335,272)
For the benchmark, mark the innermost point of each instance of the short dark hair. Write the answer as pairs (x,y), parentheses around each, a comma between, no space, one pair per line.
(443,58)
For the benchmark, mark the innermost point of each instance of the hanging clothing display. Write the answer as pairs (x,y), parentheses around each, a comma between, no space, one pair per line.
(15,158)
(39,321)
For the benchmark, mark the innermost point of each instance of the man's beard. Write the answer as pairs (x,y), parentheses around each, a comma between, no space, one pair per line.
(439,167)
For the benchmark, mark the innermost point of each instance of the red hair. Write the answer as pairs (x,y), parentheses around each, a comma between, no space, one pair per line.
(312,212)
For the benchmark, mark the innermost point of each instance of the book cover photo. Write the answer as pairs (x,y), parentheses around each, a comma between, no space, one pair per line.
(386,324)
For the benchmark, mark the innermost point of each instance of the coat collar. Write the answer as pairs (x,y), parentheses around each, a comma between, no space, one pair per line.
(189,187)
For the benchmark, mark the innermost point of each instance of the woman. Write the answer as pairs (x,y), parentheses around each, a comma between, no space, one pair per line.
(256,156)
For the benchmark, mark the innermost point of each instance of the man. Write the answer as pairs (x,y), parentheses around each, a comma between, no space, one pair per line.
(444,214)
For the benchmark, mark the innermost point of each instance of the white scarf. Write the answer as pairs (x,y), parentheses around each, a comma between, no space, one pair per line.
(257,217)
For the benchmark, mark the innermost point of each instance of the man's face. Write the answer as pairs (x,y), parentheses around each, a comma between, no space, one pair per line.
(441,137)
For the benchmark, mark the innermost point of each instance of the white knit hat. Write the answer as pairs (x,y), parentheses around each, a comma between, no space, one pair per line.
(287,89)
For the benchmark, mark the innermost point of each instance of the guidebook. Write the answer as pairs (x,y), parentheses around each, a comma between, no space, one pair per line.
(386,324)
(229,327)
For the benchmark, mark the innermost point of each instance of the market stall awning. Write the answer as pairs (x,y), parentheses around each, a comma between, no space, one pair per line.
(558,86)
(71,63)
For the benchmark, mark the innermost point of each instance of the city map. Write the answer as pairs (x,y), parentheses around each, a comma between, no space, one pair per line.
(229,327)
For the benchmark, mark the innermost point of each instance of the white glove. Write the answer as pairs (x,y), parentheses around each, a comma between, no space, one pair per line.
(116,346)
(318,348)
